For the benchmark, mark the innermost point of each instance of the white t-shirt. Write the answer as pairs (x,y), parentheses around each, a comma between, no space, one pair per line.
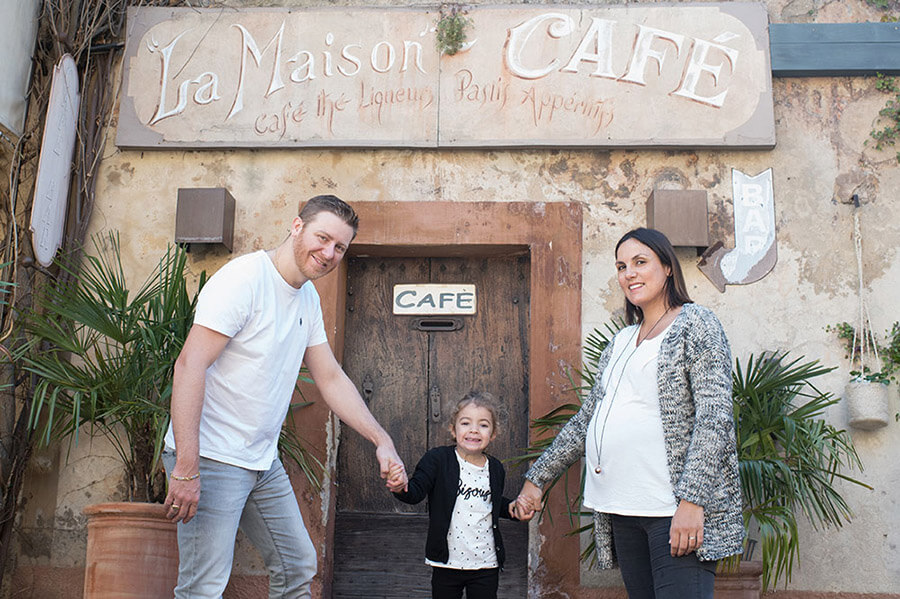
(471,535)
(627,429)
(248,388)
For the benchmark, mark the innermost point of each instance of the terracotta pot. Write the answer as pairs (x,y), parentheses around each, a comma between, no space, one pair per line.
(744,583)
(132,552)
(867,404)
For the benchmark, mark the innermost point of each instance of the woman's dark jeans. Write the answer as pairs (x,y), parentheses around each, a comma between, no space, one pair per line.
(648,568)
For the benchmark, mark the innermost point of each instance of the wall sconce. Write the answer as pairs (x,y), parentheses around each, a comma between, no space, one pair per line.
(204,215)
(682,215)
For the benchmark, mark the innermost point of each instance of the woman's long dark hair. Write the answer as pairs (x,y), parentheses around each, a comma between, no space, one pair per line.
(676,290)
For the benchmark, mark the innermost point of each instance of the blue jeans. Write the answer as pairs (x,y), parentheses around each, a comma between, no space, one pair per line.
(648,568)
(263,505)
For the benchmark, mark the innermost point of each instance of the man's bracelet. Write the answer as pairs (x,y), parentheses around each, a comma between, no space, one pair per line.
(191,477)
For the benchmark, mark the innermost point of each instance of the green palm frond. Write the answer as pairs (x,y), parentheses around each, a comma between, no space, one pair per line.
(547,426)
(790,457)
(103,356)
(595,343)
(292,447)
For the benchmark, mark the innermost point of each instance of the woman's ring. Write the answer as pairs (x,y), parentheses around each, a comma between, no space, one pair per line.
(178,507)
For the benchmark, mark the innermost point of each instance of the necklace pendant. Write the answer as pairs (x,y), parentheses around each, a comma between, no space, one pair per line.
(598,470)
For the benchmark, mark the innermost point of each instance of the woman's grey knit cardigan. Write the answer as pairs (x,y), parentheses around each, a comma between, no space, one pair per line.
(694,378)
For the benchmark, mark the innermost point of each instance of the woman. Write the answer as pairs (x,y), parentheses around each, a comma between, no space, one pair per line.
(657,432)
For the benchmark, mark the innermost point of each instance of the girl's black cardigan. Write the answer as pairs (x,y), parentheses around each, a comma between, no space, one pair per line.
(437,477)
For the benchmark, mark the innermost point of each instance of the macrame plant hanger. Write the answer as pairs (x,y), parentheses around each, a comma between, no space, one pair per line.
(863,337)
(866,396)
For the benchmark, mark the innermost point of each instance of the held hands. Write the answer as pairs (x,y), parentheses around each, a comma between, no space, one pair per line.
(686,532)
(521,515)
(392,469)
(396,478)
(527,503)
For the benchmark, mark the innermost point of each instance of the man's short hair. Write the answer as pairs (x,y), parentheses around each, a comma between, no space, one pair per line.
(332,204)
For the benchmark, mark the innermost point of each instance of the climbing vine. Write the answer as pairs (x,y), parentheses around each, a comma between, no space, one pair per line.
(883,4)
(890,133)
(92,33)
(890,114)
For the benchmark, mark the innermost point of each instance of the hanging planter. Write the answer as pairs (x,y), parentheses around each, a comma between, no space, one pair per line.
(867,392)
(867,404)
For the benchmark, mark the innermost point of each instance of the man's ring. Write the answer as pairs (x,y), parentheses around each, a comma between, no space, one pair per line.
(689,538)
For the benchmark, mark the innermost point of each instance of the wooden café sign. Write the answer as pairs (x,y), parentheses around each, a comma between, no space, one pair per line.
(686,75)
(432,298)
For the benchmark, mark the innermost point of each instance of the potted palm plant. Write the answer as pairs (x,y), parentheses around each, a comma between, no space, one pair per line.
(103,359)
(790,459)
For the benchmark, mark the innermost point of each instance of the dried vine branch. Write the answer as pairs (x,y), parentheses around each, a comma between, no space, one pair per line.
(92,32)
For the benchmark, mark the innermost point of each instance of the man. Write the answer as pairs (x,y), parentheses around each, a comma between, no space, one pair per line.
(256,319)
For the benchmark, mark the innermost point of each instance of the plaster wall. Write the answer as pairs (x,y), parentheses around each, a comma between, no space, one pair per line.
(820,160)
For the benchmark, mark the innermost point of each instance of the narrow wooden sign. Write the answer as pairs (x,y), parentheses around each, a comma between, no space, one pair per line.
(51,187)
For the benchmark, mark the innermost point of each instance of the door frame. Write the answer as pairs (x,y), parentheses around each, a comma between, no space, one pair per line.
(551,233)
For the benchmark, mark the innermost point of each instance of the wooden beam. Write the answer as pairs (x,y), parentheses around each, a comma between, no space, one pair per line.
(834,49)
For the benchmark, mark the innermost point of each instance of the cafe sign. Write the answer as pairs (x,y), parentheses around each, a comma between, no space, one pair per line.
(432,299)
(685,75)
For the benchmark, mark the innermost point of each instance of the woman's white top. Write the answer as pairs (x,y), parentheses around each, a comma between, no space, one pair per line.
(625,436)
(471,535)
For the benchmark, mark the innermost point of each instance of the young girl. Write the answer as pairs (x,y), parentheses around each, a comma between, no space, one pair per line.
(464,487)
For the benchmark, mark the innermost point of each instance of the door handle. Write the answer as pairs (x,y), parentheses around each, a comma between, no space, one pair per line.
(368,388)
(434,398)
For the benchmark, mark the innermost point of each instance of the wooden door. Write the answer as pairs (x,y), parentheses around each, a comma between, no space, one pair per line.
(410,378)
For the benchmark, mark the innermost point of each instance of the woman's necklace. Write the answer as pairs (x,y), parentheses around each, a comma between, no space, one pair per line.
(598,439)
(653,328)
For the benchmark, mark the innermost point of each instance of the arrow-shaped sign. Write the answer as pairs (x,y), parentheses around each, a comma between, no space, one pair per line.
(754,253)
